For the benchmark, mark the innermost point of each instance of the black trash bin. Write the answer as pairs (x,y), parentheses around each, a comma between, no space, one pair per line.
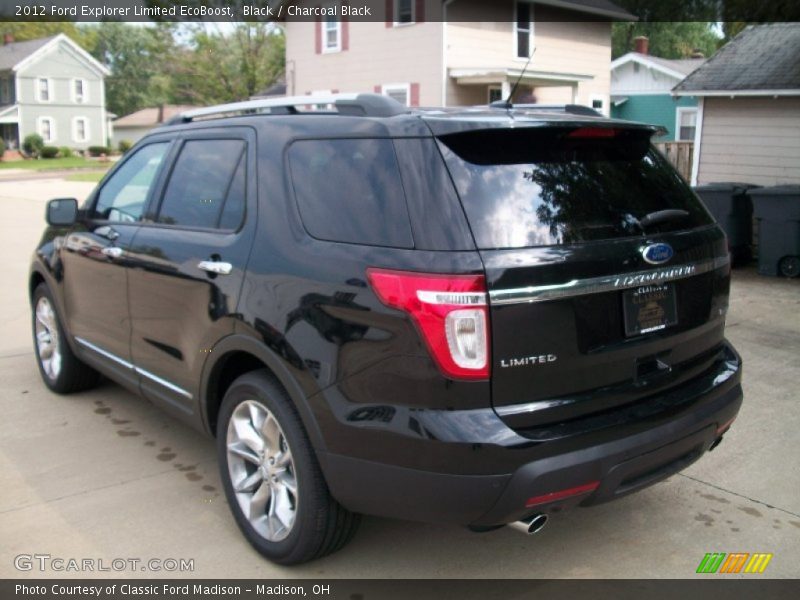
(732,208)
(777,210)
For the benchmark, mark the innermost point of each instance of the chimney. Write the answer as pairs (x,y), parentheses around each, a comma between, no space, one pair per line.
(8,38)
(160,113)
(697,53)
(641,44)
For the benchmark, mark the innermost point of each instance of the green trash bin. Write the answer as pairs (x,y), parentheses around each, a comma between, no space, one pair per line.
(730,205)
(777,210)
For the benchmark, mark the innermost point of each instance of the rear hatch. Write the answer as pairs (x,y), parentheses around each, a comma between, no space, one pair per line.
(607,278)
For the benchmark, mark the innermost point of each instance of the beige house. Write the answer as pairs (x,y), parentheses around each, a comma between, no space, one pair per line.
(133,127)
(460,52)
(748,120)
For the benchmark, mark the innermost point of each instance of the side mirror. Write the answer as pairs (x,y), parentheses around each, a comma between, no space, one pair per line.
(62,211)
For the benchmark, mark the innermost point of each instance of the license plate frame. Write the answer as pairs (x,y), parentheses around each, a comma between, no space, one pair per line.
(649,308)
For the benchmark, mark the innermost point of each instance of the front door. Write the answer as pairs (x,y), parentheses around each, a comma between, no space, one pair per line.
(95,260)
(189,260)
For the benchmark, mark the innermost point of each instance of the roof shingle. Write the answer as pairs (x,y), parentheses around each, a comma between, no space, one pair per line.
(14,53)
(761,57)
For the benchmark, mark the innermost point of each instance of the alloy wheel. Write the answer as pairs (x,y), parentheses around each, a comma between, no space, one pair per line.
(47,341)
(261,470)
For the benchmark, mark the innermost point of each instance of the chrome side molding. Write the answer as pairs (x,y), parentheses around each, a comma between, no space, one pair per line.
(130,366)
(608,283)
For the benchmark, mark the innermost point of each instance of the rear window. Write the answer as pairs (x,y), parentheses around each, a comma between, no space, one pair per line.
(542,187)
(350,190)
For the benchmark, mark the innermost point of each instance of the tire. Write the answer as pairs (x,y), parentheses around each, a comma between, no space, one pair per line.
(294,517)
(61,370)
(789,266)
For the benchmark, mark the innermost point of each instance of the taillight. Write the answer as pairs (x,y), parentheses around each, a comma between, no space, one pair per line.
(450,312)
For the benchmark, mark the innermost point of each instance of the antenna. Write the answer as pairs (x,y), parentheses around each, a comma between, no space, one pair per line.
(507,102)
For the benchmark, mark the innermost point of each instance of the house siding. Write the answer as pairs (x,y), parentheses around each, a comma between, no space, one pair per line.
(562,46)
(633,78)
(752,140)
(61,65)
(376,55)
(656,109)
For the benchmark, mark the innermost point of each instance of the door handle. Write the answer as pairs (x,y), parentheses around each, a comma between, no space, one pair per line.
(216,267)
(113,251)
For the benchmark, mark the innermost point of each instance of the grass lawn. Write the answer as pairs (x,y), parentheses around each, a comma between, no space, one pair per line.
(93,176)
(49,164)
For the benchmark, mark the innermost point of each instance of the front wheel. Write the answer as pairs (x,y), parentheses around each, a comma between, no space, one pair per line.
(61,370)
(272,479)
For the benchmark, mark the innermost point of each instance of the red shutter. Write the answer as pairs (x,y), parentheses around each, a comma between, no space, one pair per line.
(414,100)
(318,36)
(389,13)
(345,35)
(419,11)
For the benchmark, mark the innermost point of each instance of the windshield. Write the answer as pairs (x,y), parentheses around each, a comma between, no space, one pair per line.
(542,187)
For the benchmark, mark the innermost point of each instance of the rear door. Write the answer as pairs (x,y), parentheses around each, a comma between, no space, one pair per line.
(607,279)
(189,259)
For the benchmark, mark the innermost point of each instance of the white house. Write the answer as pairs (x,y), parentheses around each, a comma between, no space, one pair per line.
(53,87)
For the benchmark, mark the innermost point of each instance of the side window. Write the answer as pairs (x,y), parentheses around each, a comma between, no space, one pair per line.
(350,191)
(208,175)
(123,196)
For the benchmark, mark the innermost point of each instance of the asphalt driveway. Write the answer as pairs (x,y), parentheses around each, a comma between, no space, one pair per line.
(103,475)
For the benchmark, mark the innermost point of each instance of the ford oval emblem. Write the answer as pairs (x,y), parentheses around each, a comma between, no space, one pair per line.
(657,254)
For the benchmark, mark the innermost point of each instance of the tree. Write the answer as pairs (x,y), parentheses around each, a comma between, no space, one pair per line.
(31,30)
(667,39)
(220,67)
(138,59)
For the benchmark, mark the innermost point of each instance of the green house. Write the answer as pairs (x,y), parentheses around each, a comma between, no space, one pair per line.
(641,91)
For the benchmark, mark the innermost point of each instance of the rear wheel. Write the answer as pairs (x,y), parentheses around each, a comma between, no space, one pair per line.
(789,266)
(271,477)
(61,370)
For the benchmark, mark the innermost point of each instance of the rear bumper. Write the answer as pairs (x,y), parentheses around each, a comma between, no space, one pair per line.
(664,435)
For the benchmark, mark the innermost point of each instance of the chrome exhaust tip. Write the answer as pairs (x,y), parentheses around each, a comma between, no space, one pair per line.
(530,525)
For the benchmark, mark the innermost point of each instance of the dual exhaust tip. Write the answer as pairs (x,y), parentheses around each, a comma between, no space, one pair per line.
(531,525)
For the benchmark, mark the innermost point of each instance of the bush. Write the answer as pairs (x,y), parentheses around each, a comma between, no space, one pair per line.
(49,152)
(65,152)
(2,148)
(32,145)
(125,145)
(98,150)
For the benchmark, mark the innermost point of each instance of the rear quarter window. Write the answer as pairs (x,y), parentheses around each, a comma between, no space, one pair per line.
(349,190)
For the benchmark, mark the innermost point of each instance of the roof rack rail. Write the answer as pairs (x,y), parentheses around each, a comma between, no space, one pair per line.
(365,105)
(575,109)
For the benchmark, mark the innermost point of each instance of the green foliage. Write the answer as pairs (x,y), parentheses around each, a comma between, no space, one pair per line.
(138,58)
(2,148)
(49,152)
(98,150)
(667,39)
(243,62)
(125,145)
(32,145)
(65,152)
(32,30)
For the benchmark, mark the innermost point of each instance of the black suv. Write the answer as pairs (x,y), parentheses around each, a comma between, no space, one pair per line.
(478,316)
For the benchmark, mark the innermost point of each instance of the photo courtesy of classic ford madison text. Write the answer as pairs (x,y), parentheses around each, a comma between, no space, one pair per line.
(326,296)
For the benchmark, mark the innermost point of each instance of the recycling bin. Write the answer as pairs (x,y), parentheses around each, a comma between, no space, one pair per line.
(732,208)
(777,210)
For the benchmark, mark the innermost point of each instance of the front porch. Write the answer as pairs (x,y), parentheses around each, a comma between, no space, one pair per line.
(484,85)
(9,126)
